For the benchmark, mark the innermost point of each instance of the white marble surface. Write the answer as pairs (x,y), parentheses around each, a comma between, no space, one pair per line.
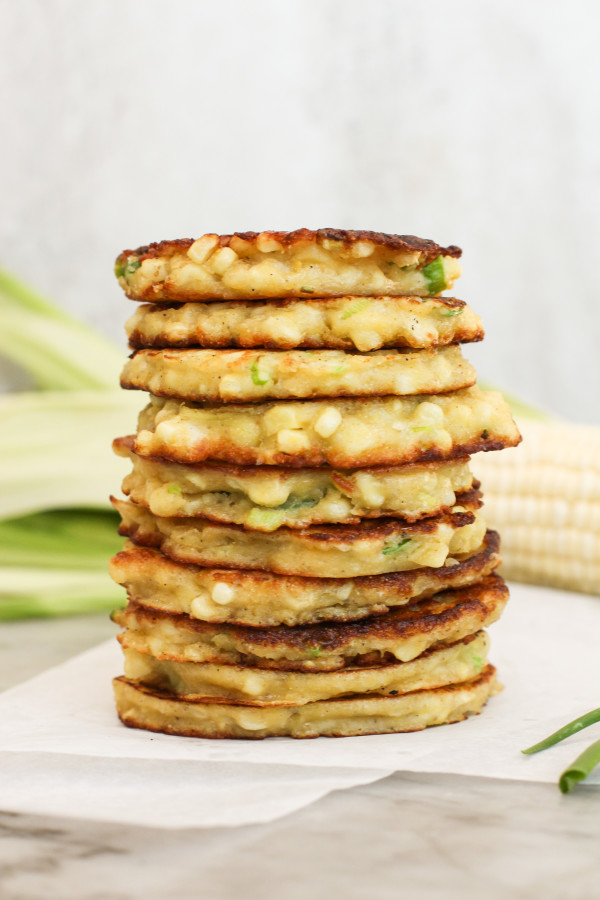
(476,123)
(418,836)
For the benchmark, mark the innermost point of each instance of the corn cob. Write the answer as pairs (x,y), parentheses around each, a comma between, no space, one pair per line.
(544,498)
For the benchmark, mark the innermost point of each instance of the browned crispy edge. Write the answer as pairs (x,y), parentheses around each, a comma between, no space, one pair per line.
(130,384)
(486,679)
(222,451)
(337,477)
(398,584)
(125,445)
(346,673)
(407,242)
(369,528)
(137,341)
(483,598)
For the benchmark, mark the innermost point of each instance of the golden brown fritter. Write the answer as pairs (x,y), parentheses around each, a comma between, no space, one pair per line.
(252,597)
(324,263)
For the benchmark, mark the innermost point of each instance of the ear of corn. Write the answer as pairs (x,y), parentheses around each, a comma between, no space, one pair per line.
(544,498)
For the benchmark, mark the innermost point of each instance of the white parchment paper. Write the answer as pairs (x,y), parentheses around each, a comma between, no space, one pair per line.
(63,750)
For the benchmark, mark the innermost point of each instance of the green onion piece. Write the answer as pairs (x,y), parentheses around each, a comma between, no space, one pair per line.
(355,308)
(580,768)
(307,290)
(120,268)
(396,547)
(256,375)
(477,662)
(293,503)
(314,651)
(566,731)
(132,265)
(434,275)
(450,313)
(265,519)
(173,489)
(421,428)
(339,370)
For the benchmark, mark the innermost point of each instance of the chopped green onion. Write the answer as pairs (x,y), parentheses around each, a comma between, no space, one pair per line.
(566,731)
(314,651)
(307,290)
(355,308)
(477,662)
(434,275)
(580,768)
(173,489)
(271,519)
(264,519)
(449,313)
(293,503)
(396,547)
(339,370)
(256,375)
(132,265)
(421,428)
(119,268)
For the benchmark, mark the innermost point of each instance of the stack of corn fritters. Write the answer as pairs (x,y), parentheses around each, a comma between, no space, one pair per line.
(307,552)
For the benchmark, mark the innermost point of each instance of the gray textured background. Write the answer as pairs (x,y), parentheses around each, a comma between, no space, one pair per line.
(126,121)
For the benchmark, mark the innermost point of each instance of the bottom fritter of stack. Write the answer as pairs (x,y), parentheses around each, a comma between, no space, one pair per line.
(421,664)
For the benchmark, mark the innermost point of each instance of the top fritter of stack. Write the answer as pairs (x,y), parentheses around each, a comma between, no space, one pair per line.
(277,264)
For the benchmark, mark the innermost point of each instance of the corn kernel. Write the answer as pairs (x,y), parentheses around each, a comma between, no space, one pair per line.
(280,417)
(328,422)
(222,593)
(365,340)
(232,385)
(253,684)
(200,607)
(344,591)
(292,441)
(222,259)
(267,244)
(361,249)
(202,248)
(250,719)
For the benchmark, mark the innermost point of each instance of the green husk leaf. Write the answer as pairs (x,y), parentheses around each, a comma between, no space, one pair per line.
(55,448)
(73,539)
(30,592)
(58,352)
